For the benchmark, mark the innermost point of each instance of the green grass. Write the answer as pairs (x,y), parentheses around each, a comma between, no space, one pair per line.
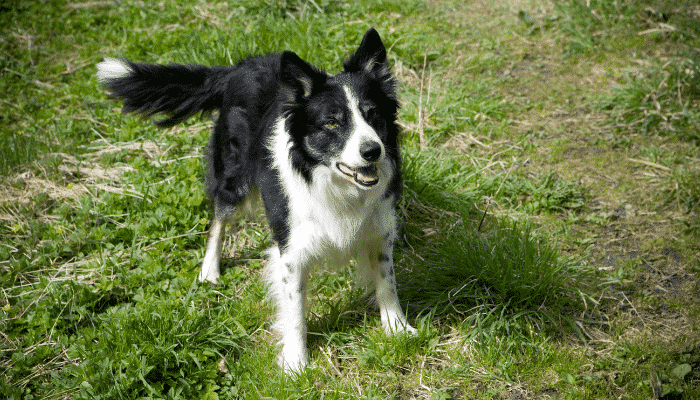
(661,98)
(525,266)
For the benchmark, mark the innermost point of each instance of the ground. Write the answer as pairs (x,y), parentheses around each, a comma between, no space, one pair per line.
(578,120)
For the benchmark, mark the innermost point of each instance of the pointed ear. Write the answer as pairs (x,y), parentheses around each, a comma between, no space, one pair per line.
(298,77)
(370,57)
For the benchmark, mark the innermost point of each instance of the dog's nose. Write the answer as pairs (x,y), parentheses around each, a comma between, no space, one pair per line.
(370,151)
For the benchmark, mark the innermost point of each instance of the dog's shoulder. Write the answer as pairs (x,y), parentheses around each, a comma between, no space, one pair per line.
(253,80)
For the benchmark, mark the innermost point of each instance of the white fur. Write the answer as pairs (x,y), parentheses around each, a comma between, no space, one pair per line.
(361,133)
(212,257)
(111,68)
(210,267)
(332,210)
(331,221)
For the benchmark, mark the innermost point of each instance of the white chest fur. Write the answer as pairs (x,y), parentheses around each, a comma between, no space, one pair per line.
(331,212)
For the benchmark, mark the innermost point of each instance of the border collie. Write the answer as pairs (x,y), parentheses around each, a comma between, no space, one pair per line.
(320,150)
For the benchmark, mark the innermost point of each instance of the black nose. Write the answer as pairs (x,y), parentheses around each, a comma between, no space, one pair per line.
(370,151)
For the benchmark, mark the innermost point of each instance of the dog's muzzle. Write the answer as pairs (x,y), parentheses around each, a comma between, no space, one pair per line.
(366,176)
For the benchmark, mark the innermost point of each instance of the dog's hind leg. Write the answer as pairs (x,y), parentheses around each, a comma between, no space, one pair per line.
(210,267)
(226,185)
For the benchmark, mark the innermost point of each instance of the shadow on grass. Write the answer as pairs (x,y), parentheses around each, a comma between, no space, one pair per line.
(499,279)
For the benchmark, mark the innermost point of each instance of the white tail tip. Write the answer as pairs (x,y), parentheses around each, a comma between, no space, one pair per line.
(111,68)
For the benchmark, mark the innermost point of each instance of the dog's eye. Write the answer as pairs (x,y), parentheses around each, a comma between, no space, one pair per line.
(370,112)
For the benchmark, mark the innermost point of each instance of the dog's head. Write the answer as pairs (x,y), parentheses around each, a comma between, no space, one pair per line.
(345,122)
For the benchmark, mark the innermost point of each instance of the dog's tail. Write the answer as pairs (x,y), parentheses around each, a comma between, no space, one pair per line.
(178,91)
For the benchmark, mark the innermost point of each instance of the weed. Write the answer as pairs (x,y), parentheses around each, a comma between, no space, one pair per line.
(156,347)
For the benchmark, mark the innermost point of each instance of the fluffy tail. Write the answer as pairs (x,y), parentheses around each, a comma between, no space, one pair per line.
(178,91)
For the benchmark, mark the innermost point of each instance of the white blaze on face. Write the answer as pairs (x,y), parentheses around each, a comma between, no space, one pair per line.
(361,132)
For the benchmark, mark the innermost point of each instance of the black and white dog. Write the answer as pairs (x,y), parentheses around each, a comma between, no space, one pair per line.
(320,150)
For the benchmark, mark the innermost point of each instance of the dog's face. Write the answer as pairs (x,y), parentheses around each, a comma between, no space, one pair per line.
(345,132)
(345,122)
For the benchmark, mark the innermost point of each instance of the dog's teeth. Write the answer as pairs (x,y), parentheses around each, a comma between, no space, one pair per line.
(367,179)
(364,176)
(367,174)
(345,169)
(365,183)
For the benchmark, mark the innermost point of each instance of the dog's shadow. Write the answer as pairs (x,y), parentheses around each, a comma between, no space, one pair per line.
(461,274)
(499,273)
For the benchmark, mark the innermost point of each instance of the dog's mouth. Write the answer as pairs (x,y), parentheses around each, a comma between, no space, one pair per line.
(366,176)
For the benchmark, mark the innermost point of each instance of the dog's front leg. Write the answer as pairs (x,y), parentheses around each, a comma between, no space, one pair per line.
(393,318)
(377,264)
(287,277)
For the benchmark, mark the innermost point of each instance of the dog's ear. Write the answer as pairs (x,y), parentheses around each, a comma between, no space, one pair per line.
(370,57)
(298,77)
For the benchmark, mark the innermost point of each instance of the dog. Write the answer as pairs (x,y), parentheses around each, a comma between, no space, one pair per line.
(320,150)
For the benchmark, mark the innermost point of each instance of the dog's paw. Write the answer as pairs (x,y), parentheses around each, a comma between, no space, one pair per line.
(411,331)
(292,365)
(210,277)
(292,368)
(293,359)
(400,327)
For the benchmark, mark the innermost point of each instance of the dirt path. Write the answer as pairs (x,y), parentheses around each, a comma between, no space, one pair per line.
(626,225)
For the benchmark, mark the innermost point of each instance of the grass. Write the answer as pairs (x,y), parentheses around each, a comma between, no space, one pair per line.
(550,221)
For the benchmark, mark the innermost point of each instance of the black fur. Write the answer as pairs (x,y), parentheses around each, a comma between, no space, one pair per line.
(251,95)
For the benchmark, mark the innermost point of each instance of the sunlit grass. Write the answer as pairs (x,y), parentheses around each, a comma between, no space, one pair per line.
(104,219)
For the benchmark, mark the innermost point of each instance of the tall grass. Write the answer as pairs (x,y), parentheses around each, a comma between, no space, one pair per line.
(660,99)
(482,271)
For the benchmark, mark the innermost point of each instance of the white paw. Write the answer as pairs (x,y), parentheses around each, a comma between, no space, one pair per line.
(293,360)
(399,327)
(411,330)
(208,277)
